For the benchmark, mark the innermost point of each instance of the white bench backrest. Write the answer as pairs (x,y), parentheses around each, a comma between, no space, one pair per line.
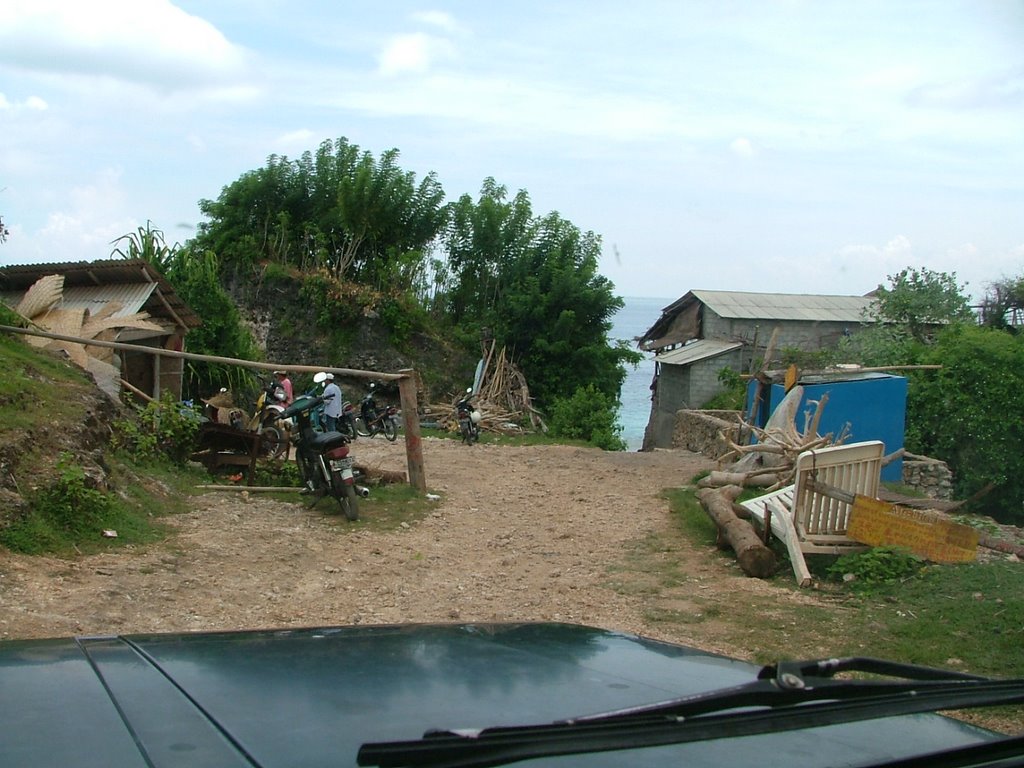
(854,468)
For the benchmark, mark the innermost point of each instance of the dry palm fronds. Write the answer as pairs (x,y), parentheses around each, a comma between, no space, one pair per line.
(41,306)
(45,293)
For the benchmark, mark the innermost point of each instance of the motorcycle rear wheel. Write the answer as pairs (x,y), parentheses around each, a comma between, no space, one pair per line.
(361,428)
(390,430)
(346,496)
(468,433)
(274,441)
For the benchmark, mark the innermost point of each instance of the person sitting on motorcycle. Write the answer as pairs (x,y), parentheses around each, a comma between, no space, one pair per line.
(286,385)
(332,404)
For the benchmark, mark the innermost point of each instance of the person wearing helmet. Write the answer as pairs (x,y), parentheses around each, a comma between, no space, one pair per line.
(332,404)
(285,384)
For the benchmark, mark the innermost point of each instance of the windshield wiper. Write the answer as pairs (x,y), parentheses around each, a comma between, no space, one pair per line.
(785,696)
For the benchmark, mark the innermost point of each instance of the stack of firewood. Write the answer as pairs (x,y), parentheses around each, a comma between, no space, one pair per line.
(503,398)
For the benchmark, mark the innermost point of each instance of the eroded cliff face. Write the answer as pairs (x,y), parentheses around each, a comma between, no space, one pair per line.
(284,324)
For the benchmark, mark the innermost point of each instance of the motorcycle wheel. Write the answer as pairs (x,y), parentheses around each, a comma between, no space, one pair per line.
(390,430)
(346,496)
(467,433)
(361,428)
(274,441)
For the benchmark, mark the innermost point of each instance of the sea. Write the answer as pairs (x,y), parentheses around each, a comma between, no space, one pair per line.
(634,319)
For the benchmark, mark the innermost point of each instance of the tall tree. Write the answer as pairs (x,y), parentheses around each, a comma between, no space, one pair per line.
(340,210)
(533,283)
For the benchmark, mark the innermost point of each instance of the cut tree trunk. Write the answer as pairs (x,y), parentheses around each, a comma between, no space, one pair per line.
(753,556)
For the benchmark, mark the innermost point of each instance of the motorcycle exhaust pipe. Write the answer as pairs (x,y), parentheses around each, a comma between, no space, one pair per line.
(362,490)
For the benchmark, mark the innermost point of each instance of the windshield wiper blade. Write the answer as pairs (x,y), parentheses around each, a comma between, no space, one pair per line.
(786,696)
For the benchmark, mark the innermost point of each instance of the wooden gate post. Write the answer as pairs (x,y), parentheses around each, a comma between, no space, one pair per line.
(411,427)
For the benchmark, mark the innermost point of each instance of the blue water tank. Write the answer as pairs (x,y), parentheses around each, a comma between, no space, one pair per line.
(873,404)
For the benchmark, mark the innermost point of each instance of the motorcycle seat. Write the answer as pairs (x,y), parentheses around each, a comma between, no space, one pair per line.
(325,440)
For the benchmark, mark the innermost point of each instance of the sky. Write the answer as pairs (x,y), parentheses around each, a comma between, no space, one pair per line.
(788,146)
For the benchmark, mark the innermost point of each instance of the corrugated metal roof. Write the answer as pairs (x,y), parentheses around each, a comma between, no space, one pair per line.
(113,274)
(696,350)
(785,306)
(131,296)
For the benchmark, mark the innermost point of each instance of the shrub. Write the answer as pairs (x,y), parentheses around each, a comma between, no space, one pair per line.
(63,514)
(588,415)
(880,565)
(163,429)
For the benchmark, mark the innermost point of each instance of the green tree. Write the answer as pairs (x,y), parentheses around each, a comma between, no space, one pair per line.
(1003,304)
(196,278)
(340,210)
(921,299)
(533,284)
(966,414)
(905,317)
(588,414)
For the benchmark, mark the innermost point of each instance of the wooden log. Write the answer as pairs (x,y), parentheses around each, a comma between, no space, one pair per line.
(717,479)
(380,475)
(753,556)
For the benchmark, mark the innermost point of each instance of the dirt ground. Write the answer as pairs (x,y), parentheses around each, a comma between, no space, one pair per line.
(519,533)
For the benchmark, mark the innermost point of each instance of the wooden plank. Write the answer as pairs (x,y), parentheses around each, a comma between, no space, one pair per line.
(877,523)
(796,556)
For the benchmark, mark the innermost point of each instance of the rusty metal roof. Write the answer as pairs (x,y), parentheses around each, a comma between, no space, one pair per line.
(132,282)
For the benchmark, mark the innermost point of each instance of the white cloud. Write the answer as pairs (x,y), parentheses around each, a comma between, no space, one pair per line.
(742,147)
(440,19)
(412,53)
(151,42)
(82,229)
(33,103)
(299,140)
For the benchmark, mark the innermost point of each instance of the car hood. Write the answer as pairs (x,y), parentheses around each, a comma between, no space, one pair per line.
(310,697)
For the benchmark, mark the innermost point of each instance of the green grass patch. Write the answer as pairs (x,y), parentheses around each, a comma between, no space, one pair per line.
(70,516)
(968,616)
(25,398)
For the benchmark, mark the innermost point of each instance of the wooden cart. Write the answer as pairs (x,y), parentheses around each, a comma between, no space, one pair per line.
(223,445)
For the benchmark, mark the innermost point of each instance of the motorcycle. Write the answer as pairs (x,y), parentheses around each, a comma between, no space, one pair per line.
(469,418)
(324,459)
(274,430)
(374,419)
(347,420)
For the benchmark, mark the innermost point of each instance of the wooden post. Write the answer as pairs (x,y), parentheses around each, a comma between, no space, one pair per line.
(411,427)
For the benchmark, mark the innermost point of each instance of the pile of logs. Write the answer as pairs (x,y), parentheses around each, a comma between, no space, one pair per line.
(770,463)
(503,398)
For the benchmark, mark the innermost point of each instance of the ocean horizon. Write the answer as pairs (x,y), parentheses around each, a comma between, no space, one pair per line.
(637,315)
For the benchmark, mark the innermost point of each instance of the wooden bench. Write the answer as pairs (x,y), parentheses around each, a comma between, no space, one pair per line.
(810,522)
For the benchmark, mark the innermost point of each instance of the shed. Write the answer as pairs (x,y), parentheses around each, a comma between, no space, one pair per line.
(685,375)
(704,331)
(873,404)
(117,289)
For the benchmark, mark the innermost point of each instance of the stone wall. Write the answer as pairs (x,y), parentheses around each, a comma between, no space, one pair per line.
(931,477)
(701,431)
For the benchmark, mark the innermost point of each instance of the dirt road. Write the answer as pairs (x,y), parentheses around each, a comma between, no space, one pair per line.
(520,533)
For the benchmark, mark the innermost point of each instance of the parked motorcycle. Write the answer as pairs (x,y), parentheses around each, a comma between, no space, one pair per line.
(347,420)
(325,463)
(469,418)
(267,421)
(374,419)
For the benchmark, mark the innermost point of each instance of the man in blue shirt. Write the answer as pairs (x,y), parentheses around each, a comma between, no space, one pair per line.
(332,404)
